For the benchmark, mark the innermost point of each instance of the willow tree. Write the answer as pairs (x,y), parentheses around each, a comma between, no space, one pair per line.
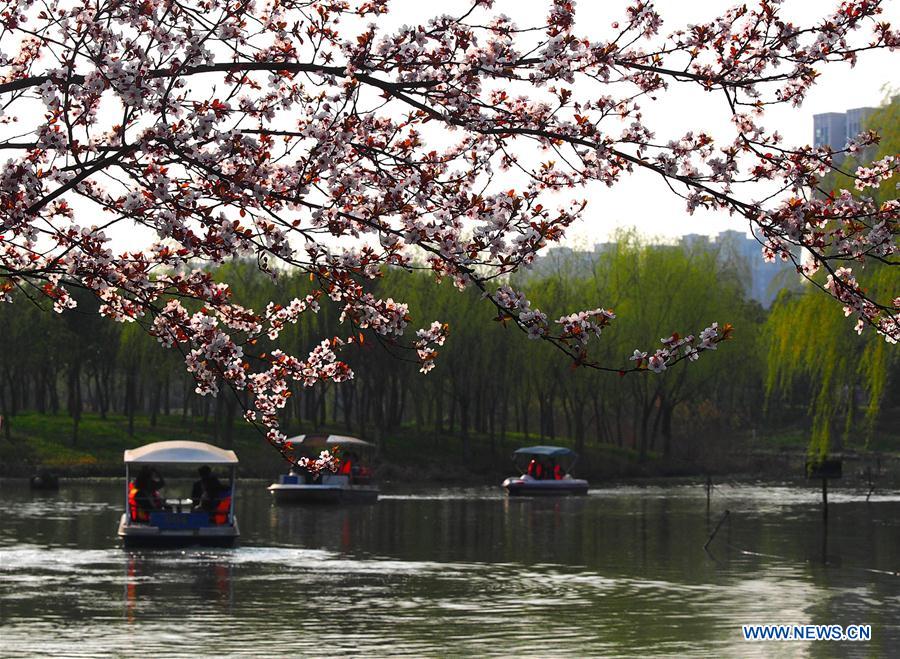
(810,347)
(313,133)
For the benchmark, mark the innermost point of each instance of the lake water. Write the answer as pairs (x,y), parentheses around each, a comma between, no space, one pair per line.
(620,572)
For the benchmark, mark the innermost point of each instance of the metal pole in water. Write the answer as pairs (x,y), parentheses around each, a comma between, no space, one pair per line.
(708,491)
(716,530)
(825,500)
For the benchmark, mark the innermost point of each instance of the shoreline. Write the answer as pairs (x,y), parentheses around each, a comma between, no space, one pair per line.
(397,478)
(44,442)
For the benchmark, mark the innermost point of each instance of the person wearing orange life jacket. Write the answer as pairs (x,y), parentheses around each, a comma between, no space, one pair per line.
(143,495)
(557,472)
(535,469)
(348,464)
(136,511)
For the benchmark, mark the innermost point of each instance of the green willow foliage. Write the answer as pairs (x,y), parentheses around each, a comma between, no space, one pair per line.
(813,350)
(490,381)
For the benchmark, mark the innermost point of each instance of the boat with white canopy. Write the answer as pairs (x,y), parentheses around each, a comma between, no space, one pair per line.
(545,471)
(207,518)
(352,483)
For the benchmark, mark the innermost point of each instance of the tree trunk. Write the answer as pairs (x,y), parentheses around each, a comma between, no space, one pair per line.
(523,407)
(668,410)
(167,395)
(231,405)
(155,393)
(5,416)
(54,394)
(578,416)
(439,409)
(74,398)
(40,392)
(464,427)
(130,402)
(348,392)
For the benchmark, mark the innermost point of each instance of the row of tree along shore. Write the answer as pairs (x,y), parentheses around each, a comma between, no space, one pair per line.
(794,374)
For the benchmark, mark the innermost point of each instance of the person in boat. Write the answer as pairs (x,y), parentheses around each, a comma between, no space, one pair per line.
(206,492)
(557,472)
(143,494)
(301,473)
(535,469)
(349,466)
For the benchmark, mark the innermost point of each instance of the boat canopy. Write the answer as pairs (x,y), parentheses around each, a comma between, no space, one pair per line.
(180,452)
(564,457)
(320,442)
(546,451)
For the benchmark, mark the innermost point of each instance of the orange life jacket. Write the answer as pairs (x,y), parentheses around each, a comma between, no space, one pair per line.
(219,515)
(137,513)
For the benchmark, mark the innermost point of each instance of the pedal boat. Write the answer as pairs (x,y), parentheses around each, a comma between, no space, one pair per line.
(548,458)
(179,528)
(353,486)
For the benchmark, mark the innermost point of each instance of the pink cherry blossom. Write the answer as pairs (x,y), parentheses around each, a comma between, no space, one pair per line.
(317,137)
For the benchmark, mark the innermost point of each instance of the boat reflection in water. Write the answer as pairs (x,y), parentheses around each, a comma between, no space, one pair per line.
(195,576)
(352,483)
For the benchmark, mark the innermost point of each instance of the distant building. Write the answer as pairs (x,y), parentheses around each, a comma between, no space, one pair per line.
(830,129)
(833,129)
(734,250)
(855,119)
(742,254)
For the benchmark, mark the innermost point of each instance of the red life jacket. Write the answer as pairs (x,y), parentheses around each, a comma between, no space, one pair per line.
(557,473)
(219,515)
(346,468)
(137,513)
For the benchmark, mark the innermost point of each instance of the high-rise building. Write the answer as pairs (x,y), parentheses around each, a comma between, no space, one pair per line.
(743,254)
(855,119)
(830,129)
(833,129)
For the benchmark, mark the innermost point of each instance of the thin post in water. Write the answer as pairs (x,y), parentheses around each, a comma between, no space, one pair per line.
(716,530)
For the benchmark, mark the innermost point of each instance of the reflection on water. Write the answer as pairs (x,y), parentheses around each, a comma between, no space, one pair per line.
(620,572)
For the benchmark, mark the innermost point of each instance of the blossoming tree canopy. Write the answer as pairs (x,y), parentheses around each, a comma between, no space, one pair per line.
(320,136)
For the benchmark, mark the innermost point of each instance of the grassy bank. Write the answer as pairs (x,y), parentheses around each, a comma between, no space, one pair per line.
(46,441)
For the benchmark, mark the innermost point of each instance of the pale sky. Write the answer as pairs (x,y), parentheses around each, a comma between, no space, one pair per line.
(839,88)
